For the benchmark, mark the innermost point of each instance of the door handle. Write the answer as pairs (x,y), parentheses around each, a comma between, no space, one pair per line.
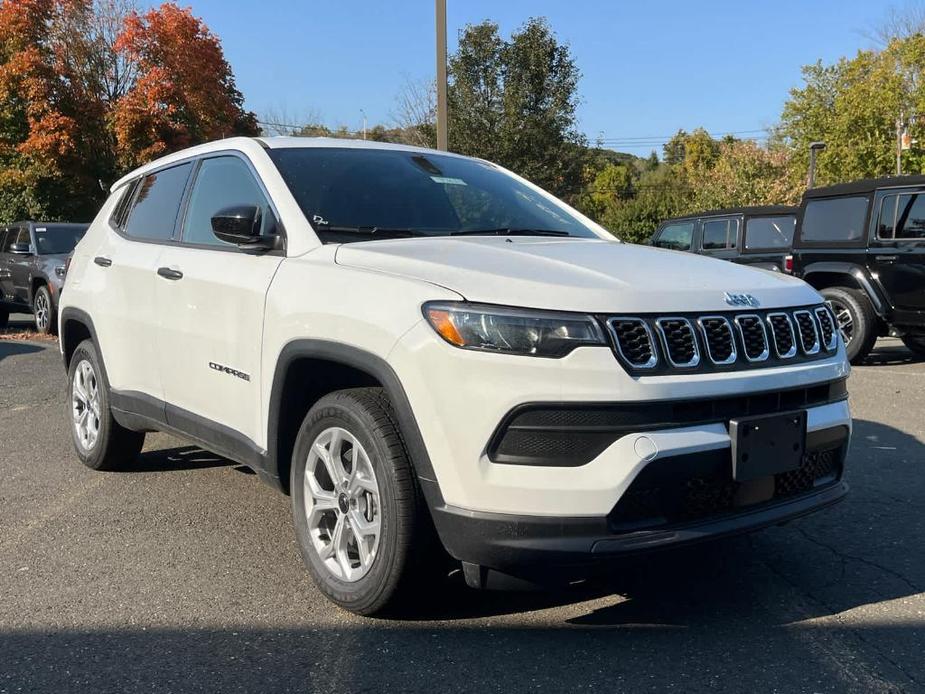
(102,261)
(169,273)
(887,258)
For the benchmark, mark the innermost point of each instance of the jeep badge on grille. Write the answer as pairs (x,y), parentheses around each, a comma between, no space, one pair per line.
(741,300)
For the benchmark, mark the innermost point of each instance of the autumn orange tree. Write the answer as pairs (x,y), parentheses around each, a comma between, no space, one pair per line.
(91,88)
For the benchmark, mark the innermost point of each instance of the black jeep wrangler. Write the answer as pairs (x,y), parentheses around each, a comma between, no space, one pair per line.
(862,245)
(759,236)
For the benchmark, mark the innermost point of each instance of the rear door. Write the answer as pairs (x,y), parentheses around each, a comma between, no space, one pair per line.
(210,302)
(7,236)
(897,246)
(719,237)
(123,275)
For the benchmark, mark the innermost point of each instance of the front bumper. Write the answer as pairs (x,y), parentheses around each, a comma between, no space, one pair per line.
(562,548)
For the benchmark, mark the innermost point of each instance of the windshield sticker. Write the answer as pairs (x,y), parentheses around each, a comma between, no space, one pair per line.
(448,181)
(39,230)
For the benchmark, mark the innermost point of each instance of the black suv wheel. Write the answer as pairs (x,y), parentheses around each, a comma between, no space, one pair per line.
(856,321)
(43,308)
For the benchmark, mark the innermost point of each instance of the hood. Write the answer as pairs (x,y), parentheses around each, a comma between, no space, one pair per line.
(589,275)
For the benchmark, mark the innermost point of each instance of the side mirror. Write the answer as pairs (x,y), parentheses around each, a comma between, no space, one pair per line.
(240,225)
(21,249)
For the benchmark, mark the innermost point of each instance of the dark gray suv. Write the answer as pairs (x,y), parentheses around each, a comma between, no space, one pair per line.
(32,265)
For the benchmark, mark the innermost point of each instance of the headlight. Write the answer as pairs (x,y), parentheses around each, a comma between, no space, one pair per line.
(512,330)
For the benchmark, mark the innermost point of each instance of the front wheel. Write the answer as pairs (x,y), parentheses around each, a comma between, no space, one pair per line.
(856,321)
(44,310)
(101,443)
(916,344)
(360,518)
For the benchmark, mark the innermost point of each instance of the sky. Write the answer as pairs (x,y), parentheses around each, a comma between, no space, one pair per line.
(648,68)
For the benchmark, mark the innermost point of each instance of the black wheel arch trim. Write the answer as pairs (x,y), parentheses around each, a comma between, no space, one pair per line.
(378,368)
(856,272)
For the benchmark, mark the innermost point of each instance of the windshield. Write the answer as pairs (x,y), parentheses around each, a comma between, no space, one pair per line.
(364,191)
(53,239)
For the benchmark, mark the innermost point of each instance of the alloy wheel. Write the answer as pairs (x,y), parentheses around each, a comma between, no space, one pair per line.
(85,405)
(844,320)
(342,504)
(42,312)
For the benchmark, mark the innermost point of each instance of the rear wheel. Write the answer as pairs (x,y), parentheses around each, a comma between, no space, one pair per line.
(360,518)
(44,311)
(101,443)
(856,321)
(915,343)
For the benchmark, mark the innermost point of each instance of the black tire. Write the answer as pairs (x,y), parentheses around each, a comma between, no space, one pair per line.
(863,326)
(114,447)
(43,308)
(407,549)
(916,344)
(4,318)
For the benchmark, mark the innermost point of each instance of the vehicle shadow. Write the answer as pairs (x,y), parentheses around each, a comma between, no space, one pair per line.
(178,458)
(891,353)
(10,348)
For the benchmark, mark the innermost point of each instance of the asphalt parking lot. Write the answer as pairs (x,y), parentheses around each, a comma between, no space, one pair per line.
(183,575)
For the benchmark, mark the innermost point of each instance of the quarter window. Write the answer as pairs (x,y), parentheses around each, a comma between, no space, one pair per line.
(720,234)
(221,182)
(902,217)
(677,237)
(769,233)
(835,220)
(157,203)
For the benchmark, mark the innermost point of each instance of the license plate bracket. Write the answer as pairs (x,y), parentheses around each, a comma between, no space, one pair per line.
(766,445)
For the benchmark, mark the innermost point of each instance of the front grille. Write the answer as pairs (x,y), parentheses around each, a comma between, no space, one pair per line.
(785,341)
(827,328)
(719,339)
(809,335)
(682,489)
(679,341)
(647,344)
(754,337)
(634,341)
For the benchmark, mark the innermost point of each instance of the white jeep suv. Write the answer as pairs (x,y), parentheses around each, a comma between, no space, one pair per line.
(433,356)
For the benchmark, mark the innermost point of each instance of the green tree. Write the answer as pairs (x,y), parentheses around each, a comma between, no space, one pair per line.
(514,101)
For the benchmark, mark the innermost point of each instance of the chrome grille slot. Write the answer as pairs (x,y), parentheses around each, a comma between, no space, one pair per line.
(754,337)
(809,335)
(679,341)
(634,341)
(784,337)
(718,339)
(827,326)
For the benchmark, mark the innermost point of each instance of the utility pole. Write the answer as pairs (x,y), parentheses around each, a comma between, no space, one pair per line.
(364,123)
(899,144)
(440,11)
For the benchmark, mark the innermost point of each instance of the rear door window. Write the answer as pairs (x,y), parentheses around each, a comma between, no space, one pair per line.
(720,234)
(677,237)
(902,217)
(769,233)
(835,220)
(157,203)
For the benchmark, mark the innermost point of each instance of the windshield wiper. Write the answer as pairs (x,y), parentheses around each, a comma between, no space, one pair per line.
(508,231)
(367,231)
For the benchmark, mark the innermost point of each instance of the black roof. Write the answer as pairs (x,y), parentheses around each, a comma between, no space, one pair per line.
(864,186)
(754,211)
